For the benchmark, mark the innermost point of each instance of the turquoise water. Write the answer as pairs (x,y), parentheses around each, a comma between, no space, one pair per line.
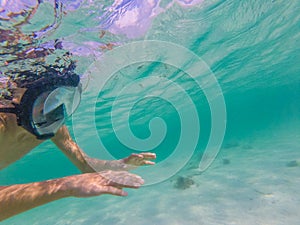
(251,49)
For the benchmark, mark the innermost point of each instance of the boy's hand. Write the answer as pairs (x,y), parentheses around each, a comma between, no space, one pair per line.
(105,182)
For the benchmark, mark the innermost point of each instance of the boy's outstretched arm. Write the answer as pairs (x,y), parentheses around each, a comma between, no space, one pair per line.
(18,198)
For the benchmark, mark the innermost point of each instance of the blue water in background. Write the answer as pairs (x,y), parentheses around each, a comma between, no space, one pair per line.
(251,47)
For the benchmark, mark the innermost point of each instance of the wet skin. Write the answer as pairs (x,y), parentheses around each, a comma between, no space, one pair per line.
(110,178)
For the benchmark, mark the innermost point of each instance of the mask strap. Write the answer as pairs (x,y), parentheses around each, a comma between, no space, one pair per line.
(15,111)
(8,110)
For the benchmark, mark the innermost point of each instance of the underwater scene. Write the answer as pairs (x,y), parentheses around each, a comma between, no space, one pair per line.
(212,87)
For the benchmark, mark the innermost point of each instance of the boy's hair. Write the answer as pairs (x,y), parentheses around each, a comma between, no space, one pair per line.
(28,78)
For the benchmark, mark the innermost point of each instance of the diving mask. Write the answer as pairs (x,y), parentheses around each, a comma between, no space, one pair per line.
(51,109)
(46,103)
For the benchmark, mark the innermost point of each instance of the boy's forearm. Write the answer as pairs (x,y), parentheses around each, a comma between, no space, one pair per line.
(78,157)
(18,198)
(87,164)
(64,142)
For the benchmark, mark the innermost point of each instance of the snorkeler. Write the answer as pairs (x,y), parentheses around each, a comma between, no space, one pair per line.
(37,112)
(40,97)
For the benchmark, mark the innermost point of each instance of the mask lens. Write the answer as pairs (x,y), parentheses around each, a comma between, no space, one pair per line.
(51,108)
(50,122)
(67,96)
(56,114)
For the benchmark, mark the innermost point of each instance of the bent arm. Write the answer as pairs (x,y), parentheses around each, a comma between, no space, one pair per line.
(18,198)
(85,164)
(64,142)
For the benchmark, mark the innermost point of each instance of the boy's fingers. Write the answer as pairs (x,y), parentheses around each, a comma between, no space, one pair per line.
(149,163)
(115,191)
(149,155)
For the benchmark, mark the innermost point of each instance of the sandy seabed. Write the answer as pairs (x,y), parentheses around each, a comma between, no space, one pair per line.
(251,183)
